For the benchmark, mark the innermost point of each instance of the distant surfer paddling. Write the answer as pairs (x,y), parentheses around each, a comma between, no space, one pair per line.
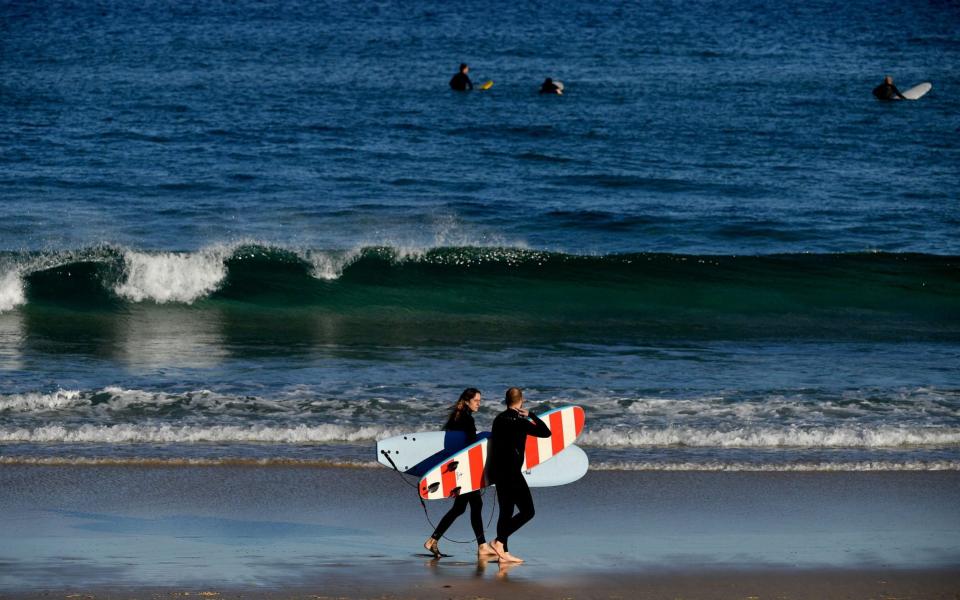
(461,81)
(508,441)
(888,91)
(461,419)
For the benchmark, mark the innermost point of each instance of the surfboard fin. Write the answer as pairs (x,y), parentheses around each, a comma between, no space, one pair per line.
(433,487)
(452,465)
(455,491)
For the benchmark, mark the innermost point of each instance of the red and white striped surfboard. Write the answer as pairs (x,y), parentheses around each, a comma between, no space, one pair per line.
(465,471)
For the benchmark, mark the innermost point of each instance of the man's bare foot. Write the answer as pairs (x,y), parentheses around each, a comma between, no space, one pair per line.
(432,547)
(485,551)
(502,554)
(497,547)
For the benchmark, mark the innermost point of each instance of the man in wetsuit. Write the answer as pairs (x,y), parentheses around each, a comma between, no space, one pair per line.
(887,91)
(461,82)
(508,442)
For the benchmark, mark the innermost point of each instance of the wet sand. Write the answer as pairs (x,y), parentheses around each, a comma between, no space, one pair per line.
(292,532)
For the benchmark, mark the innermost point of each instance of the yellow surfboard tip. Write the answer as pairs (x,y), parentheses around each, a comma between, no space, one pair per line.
(487,85)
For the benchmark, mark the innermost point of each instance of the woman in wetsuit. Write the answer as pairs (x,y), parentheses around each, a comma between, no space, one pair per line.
(461,419)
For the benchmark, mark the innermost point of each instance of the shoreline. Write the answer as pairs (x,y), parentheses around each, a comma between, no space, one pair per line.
(668,584)
(864,466)
(264,532)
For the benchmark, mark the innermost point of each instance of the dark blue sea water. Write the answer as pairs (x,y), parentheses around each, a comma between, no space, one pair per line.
(269,231)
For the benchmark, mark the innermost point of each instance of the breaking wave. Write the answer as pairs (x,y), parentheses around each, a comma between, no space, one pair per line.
(170,276)
(873,295)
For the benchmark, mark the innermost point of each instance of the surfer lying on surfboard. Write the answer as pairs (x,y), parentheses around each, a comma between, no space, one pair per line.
(508,440)
(461,419)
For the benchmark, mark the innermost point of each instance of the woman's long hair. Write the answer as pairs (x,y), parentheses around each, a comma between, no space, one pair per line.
(461,406)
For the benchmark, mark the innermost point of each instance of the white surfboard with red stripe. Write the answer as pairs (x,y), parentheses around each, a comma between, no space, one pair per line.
(465,471)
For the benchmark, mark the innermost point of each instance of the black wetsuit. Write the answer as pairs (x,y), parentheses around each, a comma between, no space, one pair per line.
(508,442)
(549,87)
(464,423)
(460,82)
(887,91)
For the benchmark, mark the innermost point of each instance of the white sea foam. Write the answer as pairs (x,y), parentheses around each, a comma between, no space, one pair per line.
(879,465)
(883,437)
(35,402)
(12,293)
(184,462)
(772,437)
(291,404)
(166,434)
(173,276)
(330,264)
(730,467)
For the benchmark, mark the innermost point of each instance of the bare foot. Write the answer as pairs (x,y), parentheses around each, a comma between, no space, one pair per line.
(507,557)
(497,547)
(485,551)
(432,547)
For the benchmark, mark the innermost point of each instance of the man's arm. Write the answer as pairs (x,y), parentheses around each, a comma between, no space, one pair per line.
(538,428)
(897,92)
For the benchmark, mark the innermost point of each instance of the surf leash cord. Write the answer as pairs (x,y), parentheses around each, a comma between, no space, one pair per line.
(424,504)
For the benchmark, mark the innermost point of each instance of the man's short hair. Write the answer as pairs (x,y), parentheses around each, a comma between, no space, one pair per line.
(514,396)
(463,66)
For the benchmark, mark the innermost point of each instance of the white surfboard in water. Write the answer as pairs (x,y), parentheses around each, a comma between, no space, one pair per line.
(918,91)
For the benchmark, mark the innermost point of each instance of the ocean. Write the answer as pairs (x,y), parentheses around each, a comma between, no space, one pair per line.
(269,233)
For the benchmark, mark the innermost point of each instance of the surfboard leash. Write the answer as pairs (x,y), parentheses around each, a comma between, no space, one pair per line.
(423,504)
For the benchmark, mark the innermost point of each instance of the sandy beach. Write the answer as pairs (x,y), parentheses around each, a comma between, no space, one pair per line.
(112,532)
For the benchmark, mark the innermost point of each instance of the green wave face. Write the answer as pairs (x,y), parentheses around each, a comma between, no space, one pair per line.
(486,291)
